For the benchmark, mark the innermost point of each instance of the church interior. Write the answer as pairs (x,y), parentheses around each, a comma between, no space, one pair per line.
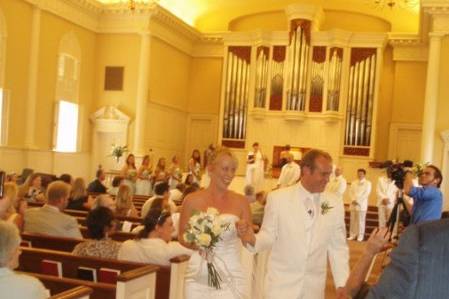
(360,79)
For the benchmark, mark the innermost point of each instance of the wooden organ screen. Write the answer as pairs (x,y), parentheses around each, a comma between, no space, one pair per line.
(359,111)
(298,54)
(277,78)
(236,96)
(261,76)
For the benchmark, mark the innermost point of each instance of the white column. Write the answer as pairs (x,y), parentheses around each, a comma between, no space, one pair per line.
(445,170)
(32,79)
(142,94)
(431,97)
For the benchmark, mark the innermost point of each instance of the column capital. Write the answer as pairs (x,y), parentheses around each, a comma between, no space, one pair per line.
(437,34)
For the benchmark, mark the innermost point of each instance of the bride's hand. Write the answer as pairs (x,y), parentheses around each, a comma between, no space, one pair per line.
(245,231)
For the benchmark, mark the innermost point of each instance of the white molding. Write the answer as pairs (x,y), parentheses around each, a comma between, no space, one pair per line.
(410,53)
(256,38)
(336,37)
(368,39)
(306,11)
(395,127)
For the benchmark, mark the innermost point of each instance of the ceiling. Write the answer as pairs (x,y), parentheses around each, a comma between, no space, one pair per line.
(215,15)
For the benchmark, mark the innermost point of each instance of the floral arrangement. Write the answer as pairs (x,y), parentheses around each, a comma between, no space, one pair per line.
(325,207)
(204,230)
(418,168)
(118,151)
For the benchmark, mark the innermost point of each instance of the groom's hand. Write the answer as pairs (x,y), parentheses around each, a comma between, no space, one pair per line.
(245,232)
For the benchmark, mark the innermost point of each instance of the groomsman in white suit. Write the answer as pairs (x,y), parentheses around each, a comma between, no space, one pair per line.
(358,193)
(337,183)
(290,173)
(386,197)
(303,228)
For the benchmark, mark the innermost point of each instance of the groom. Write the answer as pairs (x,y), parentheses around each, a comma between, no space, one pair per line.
(303,227)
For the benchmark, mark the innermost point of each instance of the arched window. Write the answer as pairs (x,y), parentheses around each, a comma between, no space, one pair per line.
(67,93)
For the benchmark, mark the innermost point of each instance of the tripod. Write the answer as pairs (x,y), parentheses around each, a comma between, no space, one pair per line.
(394,220)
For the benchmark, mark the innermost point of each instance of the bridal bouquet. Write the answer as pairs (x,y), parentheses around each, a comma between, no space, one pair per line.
(204,230)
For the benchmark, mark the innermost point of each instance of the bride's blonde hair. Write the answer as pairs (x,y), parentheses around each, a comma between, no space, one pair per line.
(222,151)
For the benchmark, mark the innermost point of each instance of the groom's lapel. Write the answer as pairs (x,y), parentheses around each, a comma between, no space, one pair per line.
(297,214)
(319,225)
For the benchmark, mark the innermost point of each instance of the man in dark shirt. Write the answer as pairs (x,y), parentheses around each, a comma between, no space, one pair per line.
(428,199)
(97,185)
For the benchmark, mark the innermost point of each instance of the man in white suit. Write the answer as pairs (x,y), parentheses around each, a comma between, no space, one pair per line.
(386,197)
(303,228)
(337,184)
(359,193)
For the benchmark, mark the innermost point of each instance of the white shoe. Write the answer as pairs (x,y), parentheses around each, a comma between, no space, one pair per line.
(351,238)
(359,239)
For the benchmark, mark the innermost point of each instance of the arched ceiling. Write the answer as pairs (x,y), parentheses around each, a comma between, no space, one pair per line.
(215,15)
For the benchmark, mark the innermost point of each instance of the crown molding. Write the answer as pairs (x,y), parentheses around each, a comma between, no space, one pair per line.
(210,45)
(338,38)
(306,11)
(257,38)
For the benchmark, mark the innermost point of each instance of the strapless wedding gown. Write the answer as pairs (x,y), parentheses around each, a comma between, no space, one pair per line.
(228,263)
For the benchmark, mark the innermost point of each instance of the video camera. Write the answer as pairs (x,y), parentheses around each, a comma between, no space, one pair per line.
(398,171)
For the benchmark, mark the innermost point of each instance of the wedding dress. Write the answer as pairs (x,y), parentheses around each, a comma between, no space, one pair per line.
(227,260)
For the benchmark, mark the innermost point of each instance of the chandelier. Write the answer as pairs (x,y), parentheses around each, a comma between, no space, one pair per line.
(397,3)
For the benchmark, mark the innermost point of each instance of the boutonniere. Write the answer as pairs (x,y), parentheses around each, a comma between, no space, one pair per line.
(325,207)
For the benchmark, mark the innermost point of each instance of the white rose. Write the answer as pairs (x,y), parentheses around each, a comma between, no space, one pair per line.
(204,240)
(217,229)
(194,219)
(212,211)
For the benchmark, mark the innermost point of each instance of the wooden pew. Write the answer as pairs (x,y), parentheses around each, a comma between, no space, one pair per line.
(135,278)
(80,292)
(169,280)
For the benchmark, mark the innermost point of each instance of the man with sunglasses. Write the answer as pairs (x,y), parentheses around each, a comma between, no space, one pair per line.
(428,199)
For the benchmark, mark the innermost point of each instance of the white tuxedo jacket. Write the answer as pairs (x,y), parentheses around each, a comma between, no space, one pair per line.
(297,270)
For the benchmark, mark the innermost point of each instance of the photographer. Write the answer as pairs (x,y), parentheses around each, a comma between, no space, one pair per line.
(428,199)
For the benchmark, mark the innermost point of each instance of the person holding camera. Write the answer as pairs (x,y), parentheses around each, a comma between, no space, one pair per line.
(428,199)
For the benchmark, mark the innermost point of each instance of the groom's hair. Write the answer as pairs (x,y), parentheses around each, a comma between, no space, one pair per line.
(310,157)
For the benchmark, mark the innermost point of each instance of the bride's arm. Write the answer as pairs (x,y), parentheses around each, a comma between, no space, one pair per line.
(186,212)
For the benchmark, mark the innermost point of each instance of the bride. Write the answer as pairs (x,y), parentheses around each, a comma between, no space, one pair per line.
(232,208)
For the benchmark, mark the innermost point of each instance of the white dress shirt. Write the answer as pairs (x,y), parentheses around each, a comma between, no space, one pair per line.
(359,192)
(290,174)
(14,285)
(337,185)
(151,250)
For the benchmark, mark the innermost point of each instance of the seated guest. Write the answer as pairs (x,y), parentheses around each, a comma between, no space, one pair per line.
(97,186)
(116,182)
(160,191)
(18,206)
(418,267)
(124,202)
(50,219)
(153,243)
(13,285)
(31,190)
(66,178)
(104,200)
(79,200)
(258,208)
(100,225)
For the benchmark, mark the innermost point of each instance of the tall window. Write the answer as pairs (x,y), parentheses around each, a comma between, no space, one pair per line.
(67,110)
(66,127)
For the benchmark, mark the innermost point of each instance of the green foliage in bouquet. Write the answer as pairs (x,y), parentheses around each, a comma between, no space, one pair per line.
(118,151)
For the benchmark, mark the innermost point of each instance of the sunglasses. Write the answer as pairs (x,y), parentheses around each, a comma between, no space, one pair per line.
(161,219)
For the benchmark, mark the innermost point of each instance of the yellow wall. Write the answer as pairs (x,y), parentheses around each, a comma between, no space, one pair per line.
(16,68)
(270,21)
(169,73)
(118,50)
(408,94)
(333,19)
(53,29)
(205,85)
(354,22)
(384,106)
